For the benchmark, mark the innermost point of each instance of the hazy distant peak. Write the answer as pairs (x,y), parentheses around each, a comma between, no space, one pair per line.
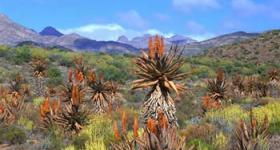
(50,31)
(123,39)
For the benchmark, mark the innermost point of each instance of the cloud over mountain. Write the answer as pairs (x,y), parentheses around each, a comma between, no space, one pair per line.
(109,32)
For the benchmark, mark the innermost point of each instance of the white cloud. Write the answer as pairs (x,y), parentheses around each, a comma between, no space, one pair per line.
(188,5)
(109,32)
(133,19)
(201,37)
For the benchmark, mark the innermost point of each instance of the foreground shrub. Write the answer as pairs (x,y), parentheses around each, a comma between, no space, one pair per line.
(54,75)
(202,132)
(12,135)
(251,135)
(98,134)
(271,110)
(221,141)
(227,117)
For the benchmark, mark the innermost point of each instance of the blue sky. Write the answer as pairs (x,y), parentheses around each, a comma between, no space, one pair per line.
(108,19)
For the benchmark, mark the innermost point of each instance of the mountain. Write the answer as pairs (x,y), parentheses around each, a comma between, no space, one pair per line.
(179,39)
(191,47)
(229,39)
(197,48)
(264,48)
(50,31)
(13,34)
(141,42)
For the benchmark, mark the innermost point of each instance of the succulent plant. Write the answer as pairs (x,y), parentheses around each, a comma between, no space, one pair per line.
(217,87)
(238,83)
(39,66)
(158,135)
(159,70)
(12,99)
(247,135)
(49,112)
(103,92)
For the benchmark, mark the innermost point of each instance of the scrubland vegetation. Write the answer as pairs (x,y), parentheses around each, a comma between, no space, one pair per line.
(159,100)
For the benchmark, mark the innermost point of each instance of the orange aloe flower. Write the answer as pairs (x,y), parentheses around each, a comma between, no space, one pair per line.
(135,127)
(152,125)
(75,95)
(163,121)
(1,109)
(45,108)
(124,121)
(116,131)
(151,48)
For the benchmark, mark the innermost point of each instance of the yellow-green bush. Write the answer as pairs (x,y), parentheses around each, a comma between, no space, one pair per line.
(271,110)
(38,101)
(221,141)
(26,123)
(98,133)
(230,114)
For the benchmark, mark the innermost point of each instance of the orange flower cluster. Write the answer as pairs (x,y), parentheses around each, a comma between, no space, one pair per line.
(209,103)
(1,109)
(79,76)
(50,107)
(156,46)
(135,127)
(117,134)
(91,76)
(156,126)
(116,131)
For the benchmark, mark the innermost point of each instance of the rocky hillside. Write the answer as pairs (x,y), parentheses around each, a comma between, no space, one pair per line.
(264,48)
(13,34)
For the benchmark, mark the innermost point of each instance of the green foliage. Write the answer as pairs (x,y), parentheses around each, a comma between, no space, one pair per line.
(200,145)
(26,123)
(12,135)
(98,133)
(38,101)
(221,141)
(273,114)
(21,55)
(3,74)
(56,139)
(54,75)
(227,117)
(4,51)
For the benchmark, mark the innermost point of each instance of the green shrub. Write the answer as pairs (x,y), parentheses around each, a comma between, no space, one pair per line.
(56,139)
(99,132)
(271,110)
(4,51)
(54,75)
(226,118)
(38,101)
(221,141)
(200,145)
(26,123)
(12,135)
(22,55)
(65,62)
